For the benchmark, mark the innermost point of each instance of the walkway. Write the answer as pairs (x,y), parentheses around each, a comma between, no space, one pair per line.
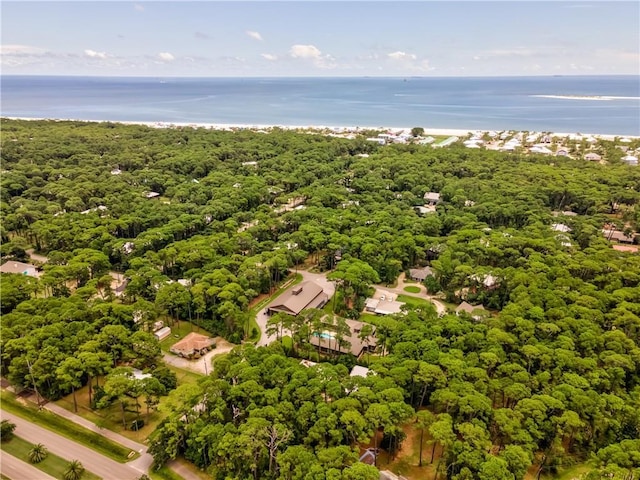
(399,290)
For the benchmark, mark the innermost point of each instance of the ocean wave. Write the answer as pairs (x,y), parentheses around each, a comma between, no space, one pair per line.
(586,97)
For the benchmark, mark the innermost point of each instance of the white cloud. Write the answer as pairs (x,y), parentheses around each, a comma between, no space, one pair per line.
(270,57)
(305,51)
(94,54)
(166,57)
(254,35)
(20,50)
(401,56)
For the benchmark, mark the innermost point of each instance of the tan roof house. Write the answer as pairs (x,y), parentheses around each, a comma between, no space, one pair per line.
(193,344)
(592,157)
(19,268)
(474,310)
(300,297)
(420,274)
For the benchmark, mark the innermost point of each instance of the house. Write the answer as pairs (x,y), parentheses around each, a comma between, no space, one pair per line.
(592,157)
(562,152)
(420,274)
(540,150)
(387,475)
(20,268)
(161,334)
(630,160)
(382,305)
(358,371)
(432,198)
(560,227)
(326,341)
(152,195)
(475,311)
(425,209)
(618,236)
(193,344)
(299,297)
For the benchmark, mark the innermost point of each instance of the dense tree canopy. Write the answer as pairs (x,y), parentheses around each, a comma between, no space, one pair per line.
(550,375)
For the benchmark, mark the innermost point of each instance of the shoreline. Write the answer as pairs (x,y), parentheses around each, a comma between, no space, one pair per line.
(332,129)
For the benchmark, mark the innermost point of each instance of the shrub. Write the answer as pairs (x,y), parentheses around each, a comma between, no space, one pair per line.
(6,430)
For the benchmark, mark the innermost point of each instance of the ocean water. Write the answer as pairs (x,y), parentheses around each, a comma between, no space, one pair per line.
(585,104)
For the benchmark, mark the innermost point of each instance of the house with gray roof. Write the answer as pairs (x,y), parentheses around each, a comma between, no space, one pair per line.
(299,297)
(420,274)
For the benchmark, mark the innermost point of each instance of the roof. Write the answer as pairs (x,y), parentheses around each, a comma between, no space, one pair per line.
(618,236)
(592,156)
(467,307)
(358,371)
(432,196)
(420,273)
(191,343)
(19,268)
(299,297)
(560,227)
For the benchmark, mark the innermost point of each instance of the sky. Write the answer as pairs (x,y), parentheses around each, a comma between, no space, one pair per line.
(328,38)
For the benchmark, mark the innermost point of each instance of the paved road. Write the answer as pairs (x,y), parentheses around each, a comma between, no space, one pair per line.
(16,469)
(93,461)
(262,317)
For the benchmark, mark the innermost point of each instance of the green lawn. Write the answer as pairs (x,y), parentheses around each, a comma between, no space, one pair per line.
(164,473)
(412,289)
(52,465)
(66,428)
(413,301)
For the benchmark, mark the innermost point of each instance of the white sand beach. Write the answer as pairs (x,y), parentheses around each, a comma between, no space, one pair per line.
(461,132)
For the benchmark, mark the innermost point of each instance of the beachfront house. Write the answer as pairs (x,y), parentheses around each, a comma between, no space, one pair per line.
(592,157)
(630,160)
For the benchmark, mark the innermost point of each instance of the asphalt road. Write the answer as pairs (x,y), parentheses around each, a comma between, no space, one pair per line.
(91,460)
(16,469)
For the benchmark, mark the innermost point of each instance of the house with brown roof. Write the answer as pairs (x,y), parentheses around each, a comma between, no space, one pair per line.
(193,344)
(300,297)
(19,268)
(593,157)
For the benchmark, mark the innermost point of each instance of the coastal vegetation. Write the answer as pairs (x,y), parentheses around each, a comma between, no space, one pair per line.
(198,227)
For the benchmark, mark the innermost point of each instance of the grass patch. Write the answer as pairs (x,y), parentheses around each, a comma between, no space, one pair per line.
(412,289)
(184,376)
(66,428)
(413,301)
(368,318)
(52,465)
(164,473)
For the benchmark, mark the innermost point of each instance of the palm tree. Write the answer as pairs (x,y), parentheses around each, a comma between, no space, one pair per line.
(74,471)
(38,453)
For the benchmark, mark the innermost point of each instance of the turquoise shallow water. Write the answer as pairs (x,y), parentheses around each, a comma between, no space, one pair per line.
(496,103)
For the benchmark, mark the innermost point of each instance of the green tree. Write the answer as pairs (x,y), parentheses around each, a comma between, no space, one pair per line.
(74,471)
(37,453)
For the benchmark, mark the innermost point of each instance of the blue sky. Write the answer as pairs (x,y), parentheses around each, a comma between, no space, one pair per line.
(329,38)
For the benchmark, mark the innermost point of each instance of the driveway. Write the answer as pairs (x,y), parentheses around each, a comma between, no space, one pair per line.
(399,290)
(69,450)
(320,278)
